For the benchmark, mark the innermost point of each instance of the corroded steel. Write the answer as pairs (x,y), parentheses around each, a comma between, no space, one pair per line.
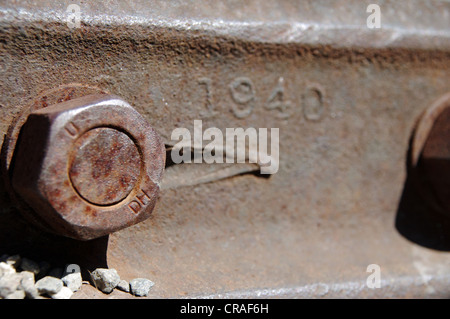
(88,166)
(346,99)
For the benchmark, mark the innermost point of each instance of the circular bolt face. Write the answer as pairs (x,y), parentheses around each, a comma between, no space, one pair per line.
(89,166)
(105,167)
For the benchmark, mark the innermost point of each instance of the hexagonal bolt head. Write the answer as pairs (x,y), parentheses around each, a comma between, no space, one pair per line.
(431,154)
(89,166)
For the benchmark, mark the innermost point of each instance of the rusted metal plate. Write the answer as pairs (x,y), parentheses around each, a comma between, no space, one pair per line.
(351,97)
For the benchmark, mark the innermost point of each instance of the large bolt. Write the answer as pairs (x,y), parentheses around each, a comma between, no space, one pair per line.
(431,154)
(89,166)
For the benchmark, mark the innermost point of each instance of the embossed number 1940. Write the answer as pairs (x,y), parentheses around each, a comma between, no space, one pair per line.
(243,94)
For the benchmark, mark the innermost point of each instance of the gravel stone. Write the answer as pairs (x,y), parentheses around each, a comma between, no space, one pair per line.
(49,285)
(124,286)
(105,279)
(9,283)
(64,293)
(141,286)
(73,281)
(6,269)
(29,265)
(14,261)
(27,284)
(18,294)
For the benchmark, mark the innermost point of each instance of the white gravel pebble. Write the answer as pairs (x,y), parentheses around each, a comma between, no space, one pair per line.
(14,261)
(18,294)
(64,293)
(105,279)
(9,283)
(28,285)
(73,281)
(124,286)
(49,285)
(141,286)
(6,269)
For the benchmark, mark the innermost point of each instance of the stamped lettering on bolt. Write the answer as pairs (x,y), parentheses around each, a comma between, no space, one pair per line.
(141,200)
(72,129)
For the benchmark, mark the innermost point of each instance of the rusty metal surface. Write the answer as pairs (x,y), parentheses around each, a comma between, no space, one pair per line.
(117,163)
(341,199)
(88,166)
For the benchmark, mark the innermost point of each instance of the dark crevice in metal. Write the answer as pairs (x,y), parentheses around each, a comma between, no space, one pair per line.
(417,219)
